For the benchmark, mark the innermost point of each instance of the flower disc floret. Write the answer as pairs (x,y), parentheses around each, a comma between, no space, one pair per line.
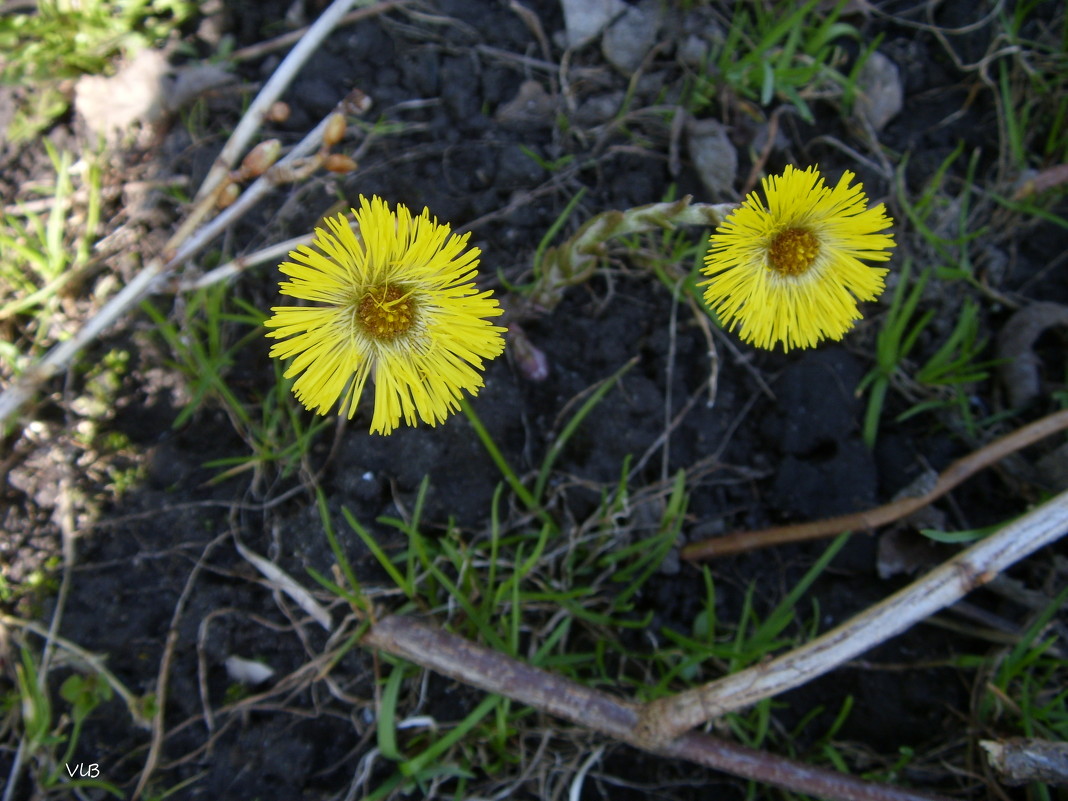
(789,268)
(793,251)
(386,312)
(393,300)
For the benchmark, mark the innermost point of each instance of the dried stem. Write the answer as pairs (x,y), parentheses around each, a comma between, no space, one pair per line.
(494,672)
(155,749)
(273,89)
(668,717)
(953,475)
(184,244)
(232,269)
(90,662)
(286,39)
(575,260)
(662,726)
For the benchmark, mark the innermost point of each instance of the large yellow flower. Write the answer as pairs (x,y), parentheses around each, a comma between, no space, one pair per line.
(398,303)
(791,271)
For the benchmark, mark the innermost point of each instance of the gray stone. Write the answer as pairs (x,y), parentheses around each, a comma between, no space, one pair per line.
(701,39)
(585,19)
(714,157)
(881,95)
(631,37)
(693,51)
(598,109)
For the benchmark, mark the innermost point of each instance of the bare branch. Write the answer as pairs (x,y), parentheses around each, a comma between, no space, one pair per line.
(869,519)
(495,672)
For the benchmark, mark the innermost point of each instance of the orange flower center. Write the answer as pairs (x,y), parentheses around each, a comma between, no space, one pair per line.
(793,251)
(386,312)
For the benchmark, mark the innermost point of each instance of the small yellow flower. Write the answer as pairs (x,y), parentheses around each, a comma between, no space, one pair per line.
(791,271)
(397,302)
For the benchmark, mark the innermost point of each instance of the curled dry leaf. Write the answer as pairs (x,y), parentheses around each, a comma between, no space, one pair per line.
(1019,366)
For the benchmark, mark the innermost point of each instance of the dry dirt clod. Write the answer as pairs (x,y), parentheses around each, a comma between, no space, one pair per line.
(134,94)
(1019,366)
(532,106)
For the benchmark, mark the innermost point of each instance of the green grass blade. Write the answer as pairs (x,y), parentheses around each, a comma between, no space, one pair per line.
(376,550)
(419,764)
(502,464)
(387,716)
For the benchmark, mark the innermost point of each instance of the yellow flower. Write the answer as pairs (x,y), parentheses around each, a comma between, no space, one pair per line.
(397,302)
(791,271)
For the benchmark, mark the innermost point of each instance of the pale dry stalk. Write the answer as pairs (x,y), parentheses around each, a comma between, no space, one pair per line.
(667,718)
(142,284)
(272,90)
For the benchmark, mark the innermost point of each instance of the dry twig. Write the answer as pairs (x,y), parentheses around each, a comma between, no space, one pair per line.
(282,77)
(953,475)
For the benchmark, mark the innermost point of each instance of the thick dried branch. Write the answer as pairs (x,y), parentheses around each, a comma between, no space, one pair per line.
(494,672)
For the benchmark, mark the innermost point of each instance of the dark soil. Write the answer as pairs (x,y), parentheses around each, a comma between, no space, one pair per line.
(781,443)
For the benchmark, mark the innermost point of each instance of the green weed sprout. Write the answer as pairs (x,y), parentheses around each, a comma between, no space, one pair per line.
(780,50)
(39,257)
(893,343)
